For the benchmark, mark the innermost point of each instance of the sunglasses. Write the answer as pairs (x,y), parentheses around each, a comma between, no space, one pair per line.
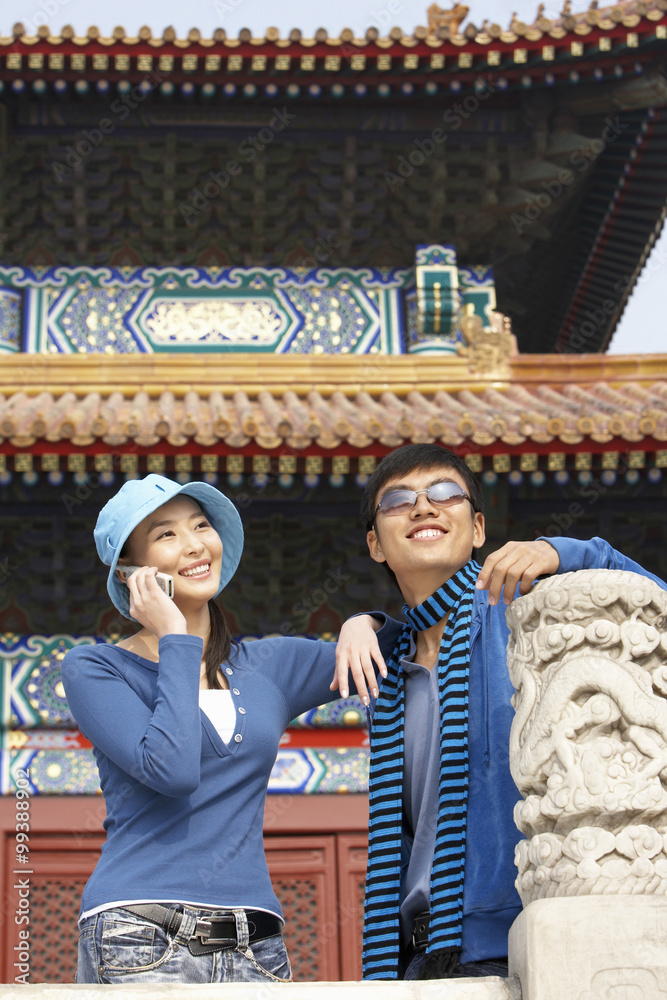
(440,494)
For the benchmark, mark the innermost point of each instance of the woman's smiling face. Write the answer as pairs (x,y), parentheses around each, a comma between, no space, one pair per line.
(180,540)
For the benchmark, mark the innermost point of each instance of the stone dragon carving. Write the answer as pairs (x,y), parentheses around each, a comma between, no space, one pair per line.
(588,750)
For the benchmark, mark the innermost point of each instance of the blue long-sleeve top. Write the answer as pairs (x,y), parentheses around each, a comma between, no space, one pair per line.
(185,810)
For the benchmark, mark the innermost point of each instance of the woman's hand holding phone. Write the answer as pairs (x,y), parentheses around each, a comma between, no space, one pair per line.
(151,607)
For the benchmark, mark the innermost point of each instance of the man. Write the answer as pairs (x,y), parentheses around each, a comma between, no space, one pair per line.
(440,894)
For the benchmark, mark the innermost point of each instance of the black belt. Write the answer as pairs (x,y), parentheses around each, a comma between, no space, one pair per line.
(214,930)
(420,927)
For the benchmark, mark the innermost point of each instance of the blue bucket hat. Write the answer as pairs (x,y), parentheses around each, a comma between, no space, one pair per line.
(138,498)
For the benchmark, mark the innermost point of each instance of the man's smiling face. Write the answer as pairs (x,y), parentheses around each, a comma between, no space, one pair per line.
(427,542)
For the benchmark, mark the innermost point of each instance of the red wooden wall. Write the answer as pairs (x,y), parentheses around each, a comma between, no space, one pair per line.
(316,852)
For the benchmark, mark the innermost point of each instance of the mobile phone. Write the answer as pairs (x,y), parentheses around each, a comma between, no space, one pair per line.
(164,581)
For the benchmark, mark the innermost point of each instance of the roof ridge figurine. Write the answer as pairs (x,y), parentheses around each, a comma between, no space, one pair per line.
(451,19)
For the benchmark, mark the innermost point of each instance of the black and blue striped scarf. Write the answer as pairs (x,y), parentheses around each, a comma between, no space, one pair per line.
(381,907)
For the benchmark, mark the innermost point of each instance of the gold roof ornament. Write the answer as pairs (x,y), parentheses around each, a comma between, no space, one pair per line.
(451,19)
(487,350)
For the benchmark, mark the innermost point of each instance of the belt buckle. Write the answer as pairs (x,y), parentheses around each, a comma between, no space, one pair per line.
(204,928)
(420,927)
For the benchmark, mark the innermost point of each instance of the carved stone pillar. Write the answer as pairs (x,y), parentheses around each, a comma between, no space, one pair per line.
(588,749)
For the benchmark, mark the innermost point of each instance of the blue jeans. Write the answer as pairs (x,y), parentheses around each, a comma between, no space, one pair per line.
(119,947)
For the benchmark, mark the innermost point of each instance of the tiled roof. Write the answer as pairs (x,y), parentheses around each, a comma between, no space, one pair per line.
(628,31)
(375,405)
(628,14)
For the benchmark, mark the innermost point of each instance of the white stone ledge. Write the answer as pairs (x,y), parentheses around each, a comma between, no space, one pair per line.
(591,948)
(488,988)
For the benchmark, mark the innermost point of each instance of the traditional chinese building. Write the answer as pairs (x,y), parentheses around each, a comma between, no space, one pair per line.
(266,262)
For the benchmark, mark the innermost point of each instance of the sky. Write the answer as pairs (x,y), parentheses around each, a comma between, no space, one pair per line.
(643,327)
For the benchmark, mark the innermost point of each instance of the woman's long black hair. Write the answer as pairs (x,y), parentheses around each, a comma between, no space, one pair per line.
(219,645)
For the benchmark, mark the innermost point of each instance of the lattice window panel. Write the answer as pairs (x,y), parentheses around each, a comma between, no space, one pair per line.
(299,900)
(361,892)
(54,911)
(352,852)
(303,872)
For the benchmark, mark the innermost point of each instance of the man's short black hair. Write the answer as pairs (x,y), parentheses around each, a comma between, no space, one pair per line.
(409,458)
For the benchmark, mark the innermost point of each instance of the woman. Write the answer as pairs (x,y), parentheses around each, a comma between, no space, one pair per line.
(185,726)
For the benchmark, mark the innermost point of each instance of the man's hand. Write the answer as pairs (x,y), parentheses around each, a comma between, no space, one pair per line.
(516,563)
(356,649)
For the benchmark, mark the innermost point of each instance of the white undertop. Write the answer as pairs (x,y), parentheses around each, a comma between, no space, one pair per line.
(219,707)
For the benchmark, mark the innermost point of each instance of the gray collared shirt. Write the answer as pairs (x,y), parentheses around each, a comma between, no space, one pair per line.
(420,787)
